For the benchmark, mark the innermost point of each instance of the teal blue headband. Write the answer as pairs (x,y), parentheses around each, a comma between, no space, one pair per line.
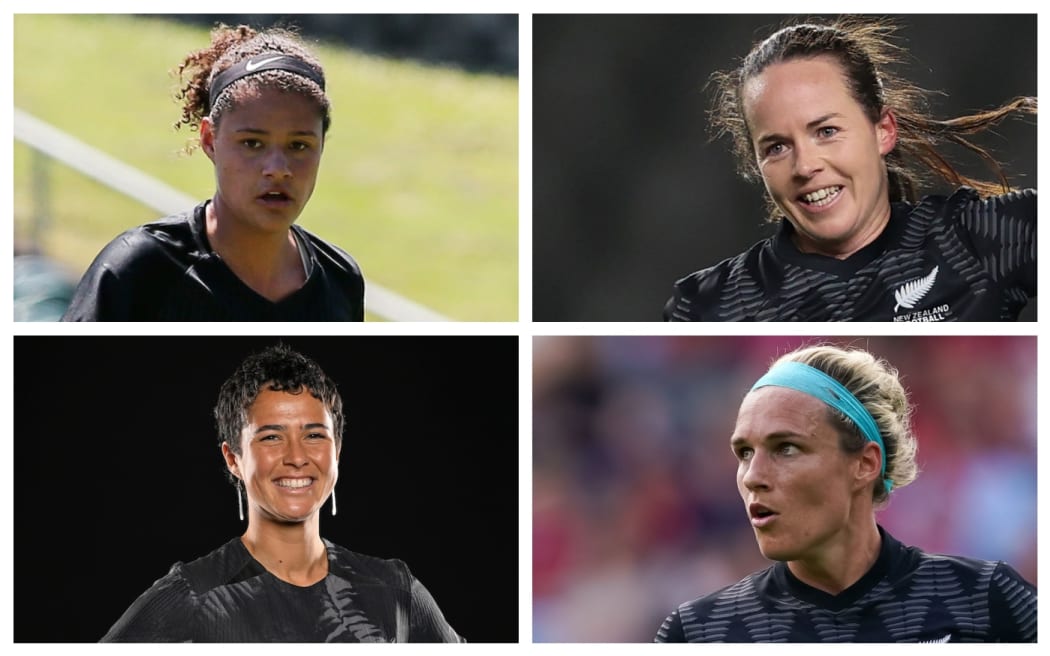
(816,383)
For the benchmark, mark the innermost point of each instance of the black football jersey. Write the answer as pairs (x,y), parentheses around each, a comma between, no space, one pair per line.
(956,258)
(228,596)
(906,596)
(167,271)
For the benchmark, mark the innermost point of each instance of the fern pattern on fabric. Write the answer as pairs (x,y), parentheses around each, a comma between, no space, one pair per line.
(912,292)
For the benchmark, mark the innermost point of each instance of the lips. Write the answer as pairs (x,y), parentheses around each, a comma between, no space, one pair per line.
(820,197)
(275,196)
(294,483)
(761,515)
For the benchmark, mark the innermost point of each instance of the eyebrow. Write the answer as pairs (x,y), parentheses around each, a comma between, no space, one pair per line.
(738,441)
(282,427)
(809,126)
(295,133)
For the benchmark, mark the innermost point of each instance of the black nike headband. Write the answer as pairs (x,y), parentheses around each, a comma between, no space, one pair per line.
(267,61)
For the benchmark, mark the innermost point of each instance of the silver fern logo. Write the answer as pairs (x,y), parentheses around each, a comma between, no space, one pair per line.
(946,638)
(912,292)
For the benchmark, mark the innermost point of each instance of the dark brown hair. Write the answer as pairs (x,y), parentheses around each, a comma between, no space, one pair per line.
(864,49)
(280,369)
(230,45)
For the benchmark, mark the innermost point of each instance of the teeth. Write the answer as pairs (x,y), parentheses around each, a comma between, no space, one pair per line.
(822,196)
(294,482)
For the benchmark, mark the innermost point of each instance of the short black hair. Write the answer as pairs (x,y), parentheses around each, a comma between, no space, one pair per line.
(280,369)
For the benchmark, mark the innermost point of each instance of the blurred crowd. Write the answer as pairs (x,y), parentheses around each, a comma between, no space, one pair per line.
(635,508)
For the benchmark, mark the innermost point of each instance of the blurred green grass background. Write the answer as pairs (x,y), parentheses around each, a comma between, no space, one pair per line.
(419,180)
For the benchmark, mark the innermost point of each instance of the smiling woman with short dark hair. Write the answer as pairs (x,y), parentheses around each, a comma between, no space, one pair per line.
(280,425)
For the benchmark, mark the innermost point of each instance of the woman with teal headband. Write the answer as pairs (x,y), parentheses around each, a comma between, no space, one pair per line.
(822,440)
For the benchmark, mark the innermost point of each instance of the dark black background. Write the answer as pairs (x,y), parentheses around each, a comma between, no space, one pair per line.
(628,193)
(118,473)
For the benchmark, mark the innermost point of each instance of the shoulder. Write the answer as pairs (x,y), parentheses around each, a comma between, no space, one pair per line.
(364,569)
(697,296)
(121,282)
(150,243)
(334,259)
(216,568)
(967,206)
(160,614)
(1007,600)
(709,618)
(743,591)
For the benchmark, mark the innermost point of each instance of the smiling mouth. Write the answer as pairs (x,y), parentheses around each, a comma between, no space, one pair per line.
(294,483)
(821,197)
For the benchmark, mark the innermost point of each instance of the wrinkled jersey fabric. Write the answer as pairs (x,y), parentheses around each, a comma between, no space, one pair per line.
(907,596)
(167,271)
(228,596)
(955,258)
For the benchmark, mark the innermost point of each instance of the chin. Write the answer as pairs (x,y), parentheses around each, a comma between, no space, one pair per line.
(771,550)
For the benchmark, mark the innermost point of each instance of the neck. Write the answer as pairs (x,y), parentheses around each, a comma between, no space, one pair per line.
(293,552)
(842,563)
(843,249)
(267,261)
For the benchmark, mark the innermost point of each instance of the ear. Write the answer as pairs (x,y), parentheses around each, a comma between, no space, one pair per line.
(208,138)
(869,465)
(886,132)
(232,460)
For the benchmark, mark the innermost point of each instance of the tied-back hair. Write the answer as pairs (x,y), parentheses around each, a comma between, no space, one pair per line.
(279,369)
(877,385)
(865,50)
(230,45)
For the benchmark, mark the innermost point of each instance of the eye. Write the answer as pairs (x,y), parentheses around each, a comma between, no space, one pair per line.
(317,436)
(744,452)
(269,438)
(827,131)
(251,144)
(299,146)
(787,449)
(774,149)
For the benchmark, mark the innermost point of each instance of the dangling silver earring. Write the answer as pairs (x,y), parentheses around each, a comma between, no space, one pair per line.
(240,507)
(333,502)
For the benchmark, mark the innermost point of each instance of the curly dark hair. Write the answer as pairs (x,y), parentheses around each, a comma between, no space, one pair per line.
(864,48)
(230,45)
(280,369)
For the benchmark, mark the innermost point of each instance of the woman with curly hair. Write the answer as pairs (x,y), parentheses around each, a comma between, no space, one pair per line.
(841,144)
(258,102)
(280,427)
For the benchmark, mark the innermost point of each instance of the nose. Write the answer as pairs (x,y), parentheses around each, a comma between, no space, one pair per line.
(807,161)
(275,165)
(755,474)
(295,454)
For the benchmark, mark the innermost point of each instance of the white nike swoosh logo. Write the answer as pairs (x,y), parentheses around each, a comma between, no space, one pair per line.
(251,66)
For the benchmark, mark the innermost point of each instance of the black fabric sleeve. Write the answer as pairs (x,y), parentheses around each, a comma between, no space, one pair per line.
(1012,605)
(1002,230)
(696,295)
(426,622)
(671,629)
(359,315)
(103,294)
(164,613)
(122,281)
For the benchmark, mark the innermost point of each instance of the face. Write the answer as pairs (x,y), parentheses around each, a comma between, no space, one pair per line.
(799,488)
(289,462)
(266,150)
(819,154)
